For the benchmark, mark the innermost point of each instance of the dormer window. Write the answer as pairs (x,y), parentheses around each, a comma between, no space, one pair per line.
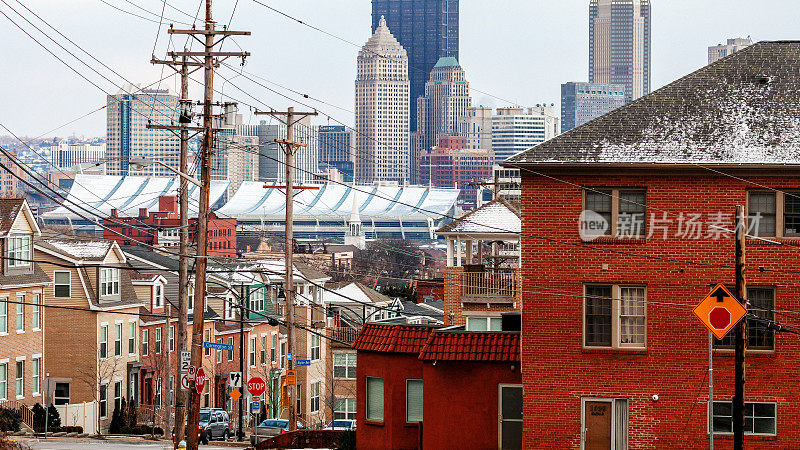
(158,298)
(109,282)
(19,251)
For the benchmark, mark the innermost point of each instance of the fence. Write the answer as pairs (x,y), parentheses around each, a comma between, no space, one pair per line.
(80,415)
(489,283)
(343,334)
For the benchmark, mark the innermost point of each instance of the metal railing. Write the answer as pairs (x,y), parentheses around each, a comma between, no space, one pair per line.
(345,334)
(25,412)
(489,282)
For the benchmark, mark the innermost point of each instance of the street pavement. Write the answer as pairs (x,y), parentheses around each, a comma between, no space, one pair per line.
(114,444)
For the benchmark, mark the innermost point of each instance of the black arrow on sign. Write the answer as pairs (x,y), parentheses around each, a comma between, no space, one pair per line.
(720,294)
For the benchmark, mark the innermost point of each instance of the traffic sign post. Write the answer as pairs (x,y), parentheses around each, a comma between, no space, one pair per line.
(185,382)
(720,311)
(186,360)
(256,407)
(256,386)
(291,377)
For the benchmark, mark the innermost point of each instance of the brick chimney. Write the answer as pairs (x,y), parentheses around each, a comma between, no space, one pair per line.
(143,212)
(168,204)
(114,212)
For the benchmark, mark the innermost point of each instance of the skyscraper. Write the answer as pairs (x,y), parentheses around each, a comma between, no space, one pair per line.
(582,102)
(515,129)
(335,149)
(445,101)
(127,135)
(720,51)
(476,126)
(271,158)
(381,99)
(619,45)
(427,29)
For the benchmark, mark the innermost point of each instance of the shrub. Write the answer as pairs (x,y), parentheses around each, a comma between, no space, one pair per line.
(38,416)
(6,444)
(346,441)
(9,419)
(53,418)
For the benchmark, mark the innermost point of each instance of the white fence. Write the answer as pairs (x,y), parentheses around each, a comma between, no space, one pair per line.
(80,415)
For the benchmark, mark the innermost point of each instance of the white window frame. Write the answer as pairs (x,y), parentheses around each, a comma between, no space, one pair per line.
(145,342)
(103,350)
(343,407)
(157,341)
(19,256)
(117,394)
(171,338)
(348,358)
(157,391)
(315,348)
(487,321)
(131,338)
(19,316)
(36,367)
(273,349)
(257,299)
(230,352)
(4,316)
(314,388)
(103,400)
(616,317)
(158,296)
(206,338)
(118,339)
(252,351)
(19,385)
(56,284)
(219,351)
(36,312)
(109,282)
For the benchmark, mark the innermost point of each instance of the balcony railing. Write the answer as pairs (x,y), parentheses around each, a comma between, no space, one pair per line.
(344,334)
(487,282)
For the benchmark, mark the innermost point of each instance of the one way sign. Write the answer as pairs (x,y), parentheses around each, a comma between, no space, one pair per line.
(720,311)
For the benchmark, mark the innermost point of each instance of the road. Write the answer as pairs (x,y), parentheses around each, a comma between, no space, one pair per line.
(114,444)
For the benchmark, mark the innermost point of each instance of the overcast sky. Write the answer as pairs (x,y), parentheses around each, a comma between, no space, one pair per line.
(517,50)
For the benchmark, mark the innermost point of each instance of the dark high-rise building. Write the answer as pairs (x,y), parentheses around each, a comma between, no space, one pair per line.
(427,30)
(582,102)
(335,149)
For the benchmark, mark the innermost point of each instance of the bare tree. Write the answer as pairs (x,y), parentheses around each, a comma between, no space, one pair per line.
(157,361)
(93,377)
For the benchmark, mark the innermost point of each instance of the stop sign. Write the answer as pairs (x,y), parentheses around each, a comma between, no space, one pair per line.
(256,386)
(200,380)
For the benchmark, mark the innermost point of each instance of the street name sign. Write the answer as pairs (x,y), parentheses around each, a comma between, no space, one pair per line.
(720,311)
(216,346)
(303,362)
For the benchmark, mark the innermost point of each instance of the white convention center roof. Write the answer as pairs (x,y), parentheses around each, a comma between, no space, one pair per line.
(95,196)
(335,202)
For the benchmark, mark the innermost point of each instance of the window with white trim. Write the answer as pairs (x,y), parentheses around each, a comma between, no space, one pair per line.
(615,316)
(103,401)
(375,398)
(35,377)
(20,319)
(345,409)
(230,352)
(257,299)
(157,396)
(103,341)
(3,381)
(62,283)
(117,395)
(36,311)
(484,323)
(315,396)
(273,348)
(315,346)
(20,379)
(344,365)
(252,352)
(759,418)
(117,339)
(145,342)
(19,251)
(413,400)
(131,338)
(3,316)
(171,338)
(158,296)
(263,355)
(109,282)
(219,351)
(158,340)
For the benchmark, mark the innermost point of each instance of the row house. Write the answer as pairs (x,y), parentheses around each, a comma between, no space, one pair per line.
(92,349)
(23,285)
(626,225)
(482,277)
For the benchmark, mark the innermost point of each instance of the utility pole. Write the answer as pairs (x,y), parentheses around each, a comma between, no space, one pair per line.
(289,147)
(168,370)
(208,59)
(244,300)
(741,292)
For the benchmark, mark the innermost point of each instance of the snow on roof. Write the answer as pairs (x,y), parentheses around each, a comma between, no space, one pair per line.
(497,216)
(353,292)
(82,250)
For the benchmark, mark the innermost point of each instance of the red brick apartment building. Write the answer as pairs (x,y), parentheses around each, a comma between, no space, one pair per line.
(612,356)
(467,385)
(161,228)
(451,164)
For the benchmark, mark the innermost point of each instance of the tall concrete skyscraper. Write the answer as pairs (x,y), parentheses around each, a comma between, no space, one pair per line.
(516,129)
(427,29)
(619,45)
(445,101)
(382,98)
(582,102)
(336,149)
(720,51)
(127,135)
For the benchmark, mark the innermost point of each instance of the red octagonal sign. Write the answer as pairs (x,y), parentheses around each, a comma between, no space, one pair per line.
(200,380)
(719,318)
(256,386)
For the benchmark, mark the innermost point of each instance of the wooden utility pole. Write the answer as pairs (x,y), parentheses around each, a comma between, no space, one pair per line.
(208,59)
(741,292)
(289,147)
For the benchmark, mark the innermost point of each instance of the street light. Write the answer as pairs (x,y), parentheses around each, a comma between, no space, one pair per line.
(143,163)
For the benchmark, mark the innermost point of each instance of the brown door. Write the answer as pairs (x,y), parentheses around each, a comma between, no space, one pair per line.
(597,425)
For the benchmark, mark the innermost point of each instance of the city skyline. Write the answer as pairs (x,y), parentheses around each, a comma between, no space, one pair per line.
(680,39)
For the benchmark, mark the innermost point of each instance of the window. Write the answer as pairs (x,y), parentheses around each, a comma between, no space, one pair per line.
(158,340)
(484,324)
(283,355)
(145,342)
(314,339)
(117,395)
(171,337)
(344,365)
(20,379)
(758,336)
(315,397)
(273,346)
(103,401)
(345,409)
(20,319)
(616,324)
(375,398)
(252,352)
(158,298)
(413,400)
(61,394)
(624,211)
(774,213)
(759,418)
(61,284)
(230,352)
(104,341)
(3,316)
(131,338)
(257,299)
(36,318)
(207,338)
(109,282)
(263,350)
(219,352)
(19,251)
(35,376)
(117,339)
(157,396)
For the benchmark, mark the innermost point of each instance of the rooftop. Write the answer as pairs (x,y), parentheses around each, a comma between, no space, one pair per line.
(392,338)
(497,216)
(471,346)
(447,61)
(740,110)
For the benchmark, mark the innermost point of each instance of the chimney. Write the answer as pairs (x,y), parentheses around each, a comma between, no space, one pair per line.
(168,204)
(114,212)
(143,212)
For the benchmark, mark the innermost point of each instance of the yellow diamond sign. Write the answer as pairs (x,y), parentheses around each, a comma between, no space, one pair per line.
(235,394)
(720,311)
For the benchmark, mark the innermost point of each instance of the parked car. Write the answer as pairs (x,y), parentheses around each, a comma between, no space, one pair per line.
(342,424)
(270,428)
(215,424)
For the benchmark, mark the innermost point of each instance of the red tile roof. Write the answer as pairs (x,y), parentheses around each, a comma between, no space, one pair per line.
(392,338)
(471,346)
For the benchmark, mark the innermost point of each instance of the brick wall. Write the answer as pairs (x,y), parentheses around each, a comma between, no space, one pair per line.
(24,346)
(558,372)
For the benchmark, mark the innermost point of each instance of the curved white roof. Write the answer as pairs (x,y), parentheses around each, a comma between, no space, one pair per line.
(99,194)
(335,202)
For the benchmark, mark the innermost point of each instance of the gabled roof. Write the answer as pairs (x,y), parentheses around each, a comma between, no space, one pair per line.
(81,250)
(392,338)
(353,291)
(471,346)
(497,216)
(9,212)
(741,110)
